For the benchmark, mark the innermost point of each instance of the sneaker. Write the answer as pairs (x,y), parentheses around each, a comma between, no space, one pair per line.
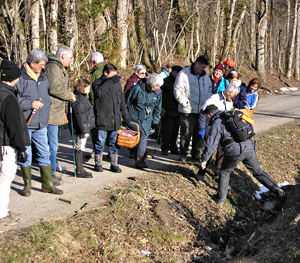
(9,220)
(60,168)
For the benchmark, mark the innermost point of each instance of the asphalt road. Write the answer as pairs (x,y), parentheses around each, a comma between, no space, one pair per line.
(272,111)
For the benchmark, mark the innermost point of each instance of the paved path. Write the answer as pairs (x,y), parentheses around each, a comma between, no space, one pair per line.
(274,110)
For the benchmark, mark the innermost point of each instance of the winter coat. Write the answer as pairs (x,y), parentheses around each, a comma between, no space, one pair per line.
(59,93)
(13,128)
(169,103)
(133,79)
(96,73)
(219,134)
(219,86)
(144,105)
(252,99)
(28,91)
(191,92)
(239,100)
(109,103)
(82,114)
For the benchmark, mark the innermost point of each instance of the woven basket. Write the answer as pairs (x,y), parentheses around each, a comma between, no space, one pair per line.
(248,112)
(128,138)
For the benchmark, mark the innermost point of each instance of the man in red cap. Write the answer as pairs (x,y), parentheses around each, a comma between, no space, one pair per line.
(228,66)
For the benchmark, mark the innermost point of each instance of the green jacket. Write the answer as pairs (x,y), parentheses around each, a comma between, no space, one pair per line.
(96,73)
(59,93)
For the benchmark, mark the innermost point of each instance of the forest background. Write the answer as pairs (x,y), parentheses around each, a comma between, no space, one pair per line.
(260,35)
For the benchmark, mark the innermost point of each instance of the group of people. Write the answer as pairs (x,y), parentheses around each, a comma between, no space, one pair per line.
(33,105)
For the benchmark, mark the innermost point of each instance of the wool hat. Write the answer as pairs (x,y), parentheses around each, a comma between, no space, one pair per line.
(229,62)
(176,68)
(9,71)
(219,66)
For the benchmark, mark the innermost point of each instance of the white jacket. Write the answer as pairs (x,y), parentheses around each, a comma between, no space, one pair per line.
(191,92)
(220,102)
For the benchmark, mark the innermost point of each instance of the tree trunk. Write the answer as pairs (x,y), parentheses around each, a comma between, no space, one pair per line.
(44,24)
(271,66)
(253,32)
(92,30)
(35,25)
(288,38)
(261,38)
(292,46)
(15,27)
(215,43)
(121,33)
(71,28)
(229,18)
(180,46)
(297,58)
(52,27)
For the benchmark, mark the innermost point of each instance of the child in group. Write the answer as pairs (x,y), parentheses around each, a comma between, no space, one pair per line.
(252,94)
(239,101)
(83,120)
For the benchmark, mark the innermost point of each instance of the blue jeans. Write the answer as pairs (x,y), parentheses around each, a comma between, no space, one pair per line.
(40,140)
(100,143)
(53,144)
(142,145)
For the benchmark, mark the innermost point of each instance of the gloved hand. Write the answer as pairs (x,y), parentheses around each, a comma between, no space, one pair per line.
(126,122)
(22,157)
(202,133)
(154,126)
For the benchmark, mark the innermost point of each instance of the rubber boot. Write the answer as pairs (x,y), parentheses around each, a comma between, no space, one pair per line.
(26,173)
(47,184)
(80,172)
(98,163)
(114,164)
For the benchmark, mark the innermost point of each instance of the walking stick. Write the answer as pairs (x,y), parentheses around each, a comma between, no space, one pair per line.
(72,134)
(32,113)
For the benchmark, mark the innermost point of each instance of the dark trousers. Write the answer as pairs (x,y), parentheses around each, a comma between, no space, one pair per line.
(190,129)
(170,125)
(249,159)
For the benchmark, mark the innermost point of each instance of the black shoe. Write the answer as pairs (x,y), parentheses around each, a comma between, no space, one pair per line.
(98,168)
(115,169)
(165,153)
(218,201)
(182,158)
(139,164)
(84,174)
(175,152)
(200,179)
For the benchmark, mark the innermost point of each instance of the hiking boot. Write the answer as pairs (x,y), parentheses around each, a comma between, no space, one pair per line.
(98,168)
(165,153)
(115,169)
(200,179)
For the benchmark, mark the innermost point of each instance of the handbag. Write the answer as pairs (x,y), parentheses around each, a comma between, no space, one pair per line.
(248,112)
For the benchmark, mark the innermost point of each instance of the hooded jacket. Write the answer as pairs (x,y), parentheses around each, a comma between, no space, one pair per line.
(96,72)
(13,128)
(144,105)
(28,91)
(109,103)
(219,134)
(59,93)
(191,92)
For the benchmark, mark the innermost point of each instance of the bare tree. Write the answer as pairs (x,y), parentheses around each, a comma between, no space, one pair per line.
(253,31)
(52,27)
(35,24)
(292,45)
(215,43)
(261,37)
(297,58)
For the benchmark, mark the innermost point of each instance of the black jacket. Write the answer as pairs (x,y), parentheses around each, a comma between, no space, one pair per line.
(13,128)
(82,114)
(109,103)
(169,103)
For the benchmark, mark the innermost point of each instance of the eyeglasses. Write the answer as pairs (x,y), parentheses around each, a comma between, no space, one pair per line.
(142,73)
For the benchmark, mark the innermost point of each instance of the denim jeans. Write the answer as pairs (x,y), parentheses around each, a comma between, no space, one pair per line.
(100,143)
(249,159)
(142,145)
(40,140)
(53,144)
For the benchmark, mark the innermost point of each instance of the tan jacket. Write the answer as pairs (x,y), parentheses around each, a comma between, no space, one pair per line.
(59,92)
